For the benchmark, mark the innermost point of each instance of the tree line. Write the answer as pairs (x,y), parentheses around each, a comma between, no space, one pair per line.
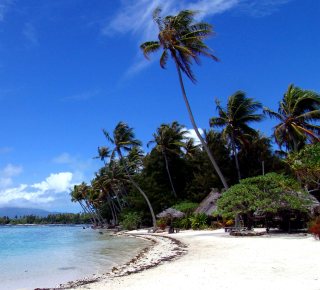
(63,218)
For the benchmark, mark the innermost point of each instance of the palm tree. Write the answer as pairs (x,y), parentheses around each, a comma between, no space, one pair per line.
(182,38)
(104,152)
(190,148)
(296,110)
(168,140)
(124,138)
(235,117)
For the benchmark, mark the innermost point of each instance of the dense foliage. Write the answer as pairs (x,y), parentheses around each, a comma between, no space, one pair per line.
(272,193)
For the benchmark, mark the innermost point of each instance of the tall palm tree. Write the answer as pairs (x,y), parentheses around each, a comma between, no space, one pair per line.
(180,37)
(124,138)
(234,118)
(296,110)
(168,140)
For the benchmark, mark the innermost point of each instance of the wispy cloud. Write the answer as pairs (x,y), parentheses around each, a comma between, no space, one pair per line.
(4,7)
(29,33)
(135,17)
(261,8)
(64,158)
(7,173)
(5,150)
(83,96)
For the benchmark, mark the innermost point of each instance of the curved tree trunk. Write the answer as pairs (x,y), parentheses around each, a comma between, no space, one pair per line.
(167,167)
(118,199)
(92,215)
(112,211)
(205,146)
(235,154)
(85,211)
(140,190)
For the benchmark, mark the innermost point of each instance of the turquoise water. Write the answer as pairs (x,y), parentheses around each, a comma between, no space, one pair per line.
(46,256)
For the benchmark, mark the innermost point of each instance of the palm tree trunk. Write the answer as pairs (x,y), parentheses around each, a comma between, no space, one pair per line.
(95,223)
(235,154)
(85,211)
(118,199)
(112,213)
(167,167)
(115,212)
(295,144)
(140,190)
(205,146)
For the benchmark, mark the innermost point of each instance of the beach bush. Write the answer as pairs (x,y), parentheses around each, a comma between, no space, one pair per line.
(131,221)
(185,222)
(198,221)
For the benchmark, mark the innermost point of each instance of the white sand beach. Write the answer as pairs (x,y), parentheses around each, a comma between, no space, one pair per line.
(216,260)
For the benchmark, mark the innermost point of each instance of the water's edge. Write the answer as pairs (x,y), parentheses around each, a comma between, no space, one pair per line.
(162,249)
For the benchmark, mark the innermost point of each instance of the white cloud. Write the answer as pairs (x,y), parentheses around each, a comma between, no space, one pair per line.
(57,182)
(38,193)
(192,134)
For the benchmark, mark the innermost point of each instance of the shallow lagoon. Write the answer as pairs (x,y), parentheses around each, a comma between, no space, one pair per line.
(46,256)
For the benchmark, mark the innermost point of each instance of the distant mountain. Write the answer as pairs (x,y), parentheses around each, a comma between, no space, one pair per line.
(11,212)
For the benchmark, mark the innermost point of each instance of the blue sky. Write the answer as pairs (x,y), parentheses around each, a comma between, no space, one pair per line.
(70,67)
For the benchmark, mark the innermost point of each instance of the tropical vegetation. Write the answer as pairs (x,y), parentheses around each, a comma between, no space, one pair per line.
(132,185)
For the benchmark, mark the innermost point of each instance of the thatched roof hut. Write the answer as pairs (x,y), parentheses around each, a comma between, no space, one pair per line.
(209,204)
(170,212)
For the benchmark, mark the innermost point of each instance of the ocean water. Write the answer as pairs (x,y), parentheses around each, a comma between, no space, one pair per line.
(46,256)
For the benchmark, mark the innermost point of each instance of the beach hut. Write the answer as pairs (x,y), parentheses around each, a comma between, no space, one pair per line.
(209,204)
(170,213)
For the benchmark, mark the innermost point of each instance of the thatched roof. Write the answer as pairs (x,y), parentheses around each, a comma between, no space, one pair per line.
(315,206)
(170,212)
(209,204)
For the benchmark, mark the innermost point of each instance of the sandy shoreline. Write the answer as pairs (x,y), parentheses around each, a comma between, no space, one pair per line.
(216,259)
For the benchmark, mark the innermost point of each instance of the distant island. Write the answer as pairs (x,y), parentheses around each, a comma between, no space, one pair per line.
(12,212)
(17,215)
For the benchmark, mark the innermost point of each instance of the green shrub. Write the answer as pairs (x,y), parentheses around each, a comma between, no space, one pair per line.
(199,220)
(131,221)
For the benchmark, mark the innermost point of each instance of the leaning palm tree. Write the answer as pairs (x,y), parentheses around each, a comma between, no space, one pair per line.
(183,39)
(124,138)
(234,118)
(169,140)
(296,110)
